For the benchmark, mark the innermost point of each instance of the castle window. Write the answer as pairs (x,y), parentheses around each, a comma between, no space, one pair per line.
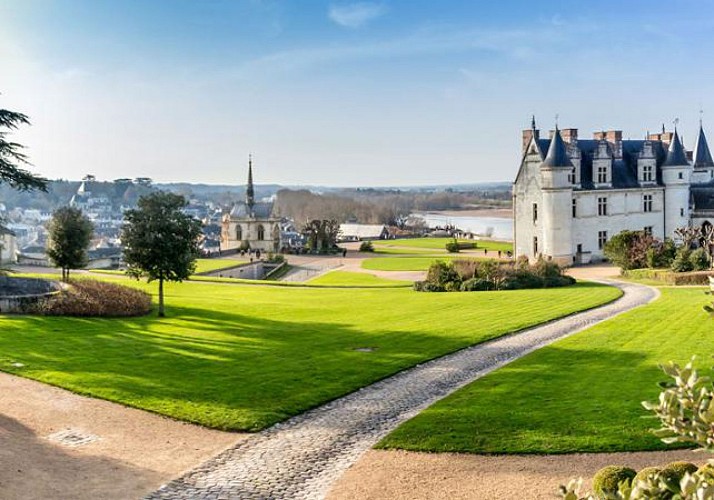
(648,230)
(571,176)
(601,239)
(647,202)
(575,207)
(535,213)
(602,175)
(261,233)
(681,212)
(239,233)
(647,173)
(602,206)
(681,175)
(535,245)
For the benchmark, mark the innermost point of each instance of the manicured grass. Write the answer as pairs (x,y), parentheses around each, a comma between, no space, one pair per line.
(440,243)
(208,265)
(346,278)
(404,263)
(241,357)
(581,394)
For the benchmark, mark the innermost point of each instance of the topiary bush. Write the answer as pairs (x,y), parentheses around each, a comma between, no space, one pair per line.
(608,479)
(452,247)
(96,298)
(366,246)
(673,473)
(682,262)
(647,472)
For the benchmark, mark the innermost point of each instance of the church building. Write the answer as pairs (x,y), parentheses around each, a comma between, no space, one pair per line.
(251,224)
(571,195)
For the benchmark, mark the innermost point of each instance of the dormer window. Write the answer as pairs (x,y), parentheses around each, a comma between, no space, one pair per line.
(602,175)
(647,174)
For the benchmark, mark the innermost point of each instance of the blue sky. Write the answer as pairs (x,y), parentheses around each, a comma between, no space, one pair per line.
(341,93)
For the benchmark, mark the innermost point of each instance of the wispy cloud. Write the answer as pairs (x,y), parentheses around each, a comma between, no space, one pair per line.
(354,15)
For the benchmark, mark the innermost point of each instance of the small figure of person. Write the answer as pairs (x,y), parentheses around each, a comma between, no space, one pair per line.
(499,254)
(344,252)
(257,254)
(485,251)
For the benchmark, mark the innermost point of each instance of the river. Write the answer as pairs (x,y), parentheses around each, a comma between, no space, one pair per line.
(499,228)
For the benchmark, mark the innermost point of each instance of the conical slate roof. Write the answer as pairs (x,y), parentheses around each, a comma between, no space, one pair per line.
(675,154)
(557,155)
(702,156)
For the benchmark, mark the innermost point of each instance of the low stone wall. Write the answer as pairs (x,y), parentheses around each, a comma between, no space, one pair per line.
(18,295)
(256,270)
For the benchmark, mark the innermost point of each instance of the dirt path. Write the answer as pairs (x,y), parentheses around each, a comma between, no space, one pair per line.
(134,453)
(401,475)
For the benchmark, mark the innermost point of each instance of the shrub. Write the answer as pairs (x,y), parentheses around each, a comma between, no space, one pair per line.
(674,472)
(476,285)
(452,247)
(466,268)
(628,249)
(96,298)
(425,286)
(699,260)
(707,470)
(682,262)
(275,258)
(647,472)
(366,246)
(441,273)
(607,480)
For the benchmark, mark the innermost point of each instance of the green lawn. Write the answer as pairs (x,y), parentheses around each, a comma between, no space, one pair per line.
(242,357)
(440,243)
(581,394)
(404,263)
(346,278)
(208,265)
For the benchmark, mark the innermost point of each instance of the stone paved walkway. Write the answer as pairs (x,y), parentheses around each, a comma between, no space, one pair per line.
(302,457)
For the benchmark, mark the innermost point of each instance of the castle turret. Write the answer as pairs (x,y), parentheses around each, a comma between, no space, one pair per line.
(702,159)
(557,187)
(676,177)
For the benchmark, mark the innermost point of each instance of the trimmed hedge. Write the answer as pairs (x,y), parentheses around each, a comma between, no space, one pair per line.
(670,277)
(607,480)
(96,298)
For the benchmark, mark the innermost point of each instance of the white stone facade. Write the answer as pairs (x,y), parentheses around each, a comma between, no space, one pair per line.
(571,196)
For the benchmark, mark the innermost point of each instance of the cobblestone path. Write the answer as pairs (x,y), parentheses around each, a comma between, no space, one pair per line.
(302,457)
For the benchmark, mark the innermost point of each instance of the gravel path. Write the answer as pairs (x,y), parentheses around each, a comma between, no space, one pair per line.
(302,457)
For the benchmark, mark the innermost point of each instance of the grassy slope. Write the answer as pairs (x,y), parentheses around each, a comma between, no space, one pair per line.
(244,357)
(207,265)
(440,243)
(579,394)
(346,278)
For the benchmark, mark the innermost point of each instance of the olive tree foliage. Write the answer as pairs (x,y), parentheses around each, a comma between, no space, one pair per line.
(160,241)
(70,232)
(685,409)
(12,157)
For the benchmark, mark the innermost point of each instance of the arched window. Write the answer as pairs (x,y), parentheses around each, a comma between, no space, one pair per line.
(239,233)
(261,233)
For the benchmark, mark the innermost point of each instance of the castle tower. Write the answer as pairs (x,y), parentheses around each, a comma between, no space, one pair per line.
(676,177)
(703,164)
(557,188)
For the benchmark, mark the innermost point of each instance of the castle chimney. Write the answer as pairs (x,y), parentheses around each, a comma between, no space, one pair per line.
(599,136)
(570,135)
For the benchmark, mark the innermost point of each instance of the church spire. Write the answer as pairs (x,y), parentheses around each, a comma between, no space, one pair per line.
(702,155)
(249,190)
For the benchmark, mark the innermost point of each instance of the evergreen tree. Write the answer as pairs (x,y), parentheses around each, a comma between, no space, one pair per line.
(12,158)
(160,241)
(70,232)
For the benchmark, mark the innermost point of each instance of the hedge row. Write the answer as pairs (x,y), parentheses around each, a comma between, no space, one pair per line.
(670,277)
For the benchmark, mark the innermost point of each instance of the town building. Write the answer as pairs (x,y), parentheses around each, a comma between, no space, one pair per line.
(251,224)
(8,246)
(571,195)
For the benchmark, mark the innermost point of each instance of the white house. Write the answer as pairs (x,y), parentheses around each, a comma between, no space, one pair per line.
(571,195)
(360,232)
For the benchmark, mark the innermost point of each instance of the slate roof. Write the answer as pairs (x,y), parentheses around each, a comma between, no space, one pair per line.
(676,155)
(702,156)
(261,210)
(557,155)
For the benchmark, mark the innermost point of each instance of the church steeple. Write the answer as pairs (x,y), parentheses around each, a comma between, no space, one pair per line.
(702,155)
(249,190)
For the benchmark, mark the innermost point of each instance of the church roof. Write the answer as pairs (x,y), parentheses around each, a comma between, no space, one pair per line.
(676,156)
(260,210)
(557,155)
(702,156)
